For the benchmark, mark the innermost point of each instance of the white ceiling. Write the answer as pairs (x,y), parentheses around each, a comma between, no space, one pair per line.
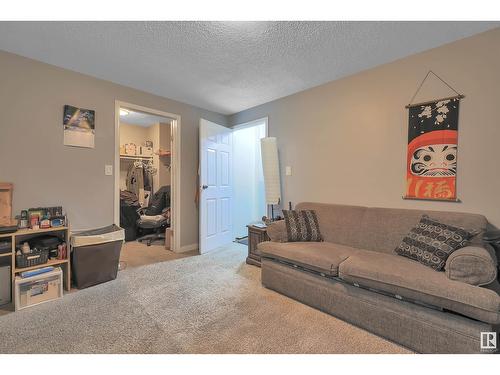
(142,119)
(226,66)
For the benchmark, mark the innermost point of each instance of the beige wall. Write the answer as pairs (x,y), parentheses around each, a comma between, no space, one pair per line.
(346,140)
(131,133)
(45,172)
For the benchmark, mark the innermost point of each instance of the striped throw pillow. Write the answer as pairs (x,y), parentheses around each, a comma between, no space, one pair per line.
(302,226)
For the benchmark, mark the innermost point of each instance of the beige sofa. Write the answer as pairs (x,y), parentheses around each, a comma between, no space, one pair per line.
(356,275)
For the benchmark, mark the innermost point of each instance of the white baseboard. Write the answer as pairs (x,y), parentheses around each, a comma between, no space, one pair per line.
(183,249)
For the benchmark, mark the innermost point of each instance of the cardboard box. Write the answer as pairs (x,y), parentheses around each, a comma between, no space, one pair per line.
(6,202)
(130,149)
(146,151)
(168,238)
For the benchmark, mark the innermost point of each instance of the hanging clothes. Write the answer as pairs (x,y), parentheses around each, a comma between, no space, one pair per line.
(140,180)
(135,180)
(149,172)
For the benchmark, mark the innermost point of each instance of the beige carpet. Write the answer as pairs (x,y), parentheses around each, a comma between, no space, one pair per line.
(135,254)
(212,303)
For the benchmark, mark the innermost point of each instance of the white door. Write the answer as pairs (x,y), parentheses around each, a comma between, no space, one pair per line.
(216,190)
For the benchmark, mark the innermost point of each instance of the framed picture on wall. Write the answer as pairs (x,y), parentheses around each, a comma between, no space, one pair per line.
(79,127)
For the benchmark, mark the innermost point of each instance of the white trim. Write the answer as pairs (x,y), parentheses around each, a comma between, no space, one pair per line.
(175,170)
(253,123)
(192,247)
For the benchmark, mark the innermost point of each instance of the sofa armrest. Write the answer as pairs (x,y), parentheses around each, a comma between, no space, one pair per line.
(277,231)
(473,265)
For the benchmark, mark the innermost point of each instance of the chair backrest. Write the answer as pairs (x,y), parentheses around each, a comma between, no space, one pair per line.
(160,201)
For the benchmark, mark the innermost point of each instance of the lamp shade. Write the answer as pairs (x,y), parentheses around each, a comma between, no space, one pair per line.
(271,169)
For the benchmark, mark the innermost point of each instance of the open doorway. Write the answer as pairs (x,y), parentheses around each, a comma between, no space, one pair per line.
(248,190)
(146,183)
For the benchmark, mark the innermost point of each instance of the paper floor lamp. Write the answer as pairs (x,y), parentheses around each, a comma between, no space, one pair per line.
(271,169)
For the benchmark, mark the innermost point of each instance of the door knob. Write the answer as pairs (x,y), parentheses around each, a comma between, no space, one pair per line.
(204,187)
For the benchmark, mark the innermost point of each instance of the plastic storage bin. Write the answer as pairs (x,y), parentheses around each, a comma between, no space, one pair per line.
(32,259)
(38,289)
(95,255)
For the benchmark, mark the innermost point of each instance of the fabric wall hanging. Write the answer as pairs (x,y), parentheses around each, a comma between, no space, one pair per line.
(431,160)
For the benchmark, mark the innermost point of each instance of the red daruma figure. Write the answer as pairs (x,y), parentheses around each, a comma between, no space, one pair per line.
(432,151)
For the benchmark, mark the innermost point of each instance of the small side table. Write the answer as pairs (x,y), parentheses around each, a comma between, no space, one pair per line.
(256,235)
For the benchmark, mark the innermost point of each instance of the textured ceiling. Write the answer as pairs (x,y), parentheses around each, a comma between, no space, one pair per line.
(226,66)
(142,119)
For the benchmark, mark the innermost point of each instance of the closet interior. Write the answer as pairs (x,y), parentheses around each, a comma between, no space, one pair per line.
(145,177)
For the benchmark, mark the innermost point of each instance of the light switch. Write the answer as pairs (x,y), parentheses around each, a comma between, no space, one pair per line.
(288,171)
(108,170)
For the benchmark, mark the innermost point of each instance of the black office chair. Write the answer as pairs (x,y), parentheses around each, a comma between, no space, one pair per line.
(155,218)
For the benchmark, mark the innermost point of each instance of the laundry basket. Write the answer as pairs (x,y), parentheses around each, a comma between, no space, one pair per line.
(95,255)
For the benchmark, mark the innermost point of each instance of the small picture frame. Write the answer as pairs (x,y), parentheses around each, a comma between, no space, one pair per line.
(79,127)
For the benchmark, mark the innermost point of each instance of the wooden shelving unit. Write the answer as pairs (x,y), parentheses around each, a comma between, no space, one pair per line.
(25,232)
(50,262)
(24,235)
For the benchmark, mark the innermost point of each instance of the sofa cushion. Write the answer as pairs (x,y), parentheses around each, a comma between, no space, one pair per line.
(323,257)
(338,223)
(412,280)
(472,265)
(382,229)
(431,242)
(302,226)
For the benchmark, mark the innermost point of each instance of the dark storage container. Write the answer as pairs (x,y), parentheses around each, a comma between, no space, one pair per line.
(5,246)
(46,243)
(95,255)
(128,220)
(34,258)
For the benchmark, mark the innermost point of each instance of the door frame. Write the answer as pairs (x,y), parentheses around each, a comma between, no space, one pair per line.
(175,170)
(253,123)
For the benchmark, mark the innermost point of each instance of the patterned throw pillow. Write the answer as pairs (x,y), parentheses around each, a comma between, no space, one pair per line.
(302,226)
(432,242)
